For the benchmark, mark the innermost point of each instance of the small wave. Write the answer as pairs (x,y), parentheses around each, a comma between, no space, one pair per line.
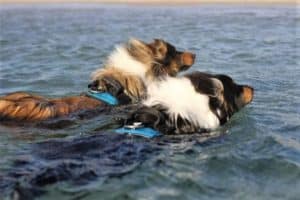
(243,55)
(228,40)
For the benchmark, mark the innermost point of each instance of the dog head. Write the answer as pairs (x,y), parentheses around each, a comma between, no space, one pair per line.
(231,98)
(169,59)
(161,56)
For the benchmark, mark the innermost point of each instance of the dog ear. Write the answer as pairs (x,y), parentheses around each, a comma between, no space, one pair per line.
(159,48)
(218,89)
(205,84)
(135,44)
(139,50)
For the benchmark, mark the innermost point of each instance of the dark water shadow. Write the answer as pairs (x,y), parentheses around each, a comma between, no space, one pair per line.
(82,160)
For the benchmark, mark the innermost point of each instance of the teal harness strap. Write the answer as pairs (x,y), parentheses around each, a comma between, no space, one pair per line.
(135,129)
(138,129)
(144,132)
(103,96)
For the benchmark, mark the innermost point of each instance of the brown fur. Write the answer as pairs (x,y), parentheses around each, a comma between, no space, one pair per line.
(28,107)
(24,106)
(247,95)
(153,56)
(134,86)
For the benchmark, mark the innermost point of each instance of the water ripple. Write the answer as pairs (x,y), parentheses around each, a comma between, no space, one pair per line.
(51,50)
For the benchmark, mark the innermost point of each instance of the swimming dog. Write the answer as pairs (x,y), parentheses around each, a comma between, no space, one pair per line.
(127,71)
(193,103)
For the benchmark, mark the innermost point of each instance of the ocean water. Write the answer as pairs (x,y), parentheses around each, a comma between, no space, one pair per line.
(52,49)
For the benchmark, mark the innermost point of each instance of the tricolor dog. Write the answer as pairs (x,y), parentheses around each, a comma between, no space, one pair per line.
(197,101)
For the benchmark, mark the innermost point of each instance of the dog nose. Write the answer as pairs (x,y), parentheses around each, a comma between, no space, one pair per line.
(248,94)
(188,58)
(93,85)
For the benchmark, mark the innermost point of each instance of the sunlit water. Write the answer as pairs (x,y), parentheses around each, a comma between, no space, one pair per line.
(51,51)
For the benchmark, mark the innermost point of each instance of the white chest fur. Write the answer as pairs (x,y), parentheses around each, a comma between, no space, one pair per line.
(180,98)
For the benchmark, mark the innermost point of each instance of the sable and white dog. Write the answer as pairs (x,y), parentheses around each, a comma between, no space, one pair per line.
(127,71)
(197,101)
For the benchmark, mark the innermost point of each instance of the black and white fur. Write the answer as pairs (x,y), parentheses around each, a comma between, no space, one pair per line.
(197,101)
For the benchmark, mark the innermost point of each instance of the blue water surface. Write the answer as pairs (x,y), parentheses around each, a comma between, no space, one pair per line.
(52,49)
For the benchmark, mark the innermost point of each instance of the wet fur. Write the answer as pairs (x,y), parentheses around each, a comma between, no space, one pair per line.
(125,75)
(198,101)
(136,64)
(24,106)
